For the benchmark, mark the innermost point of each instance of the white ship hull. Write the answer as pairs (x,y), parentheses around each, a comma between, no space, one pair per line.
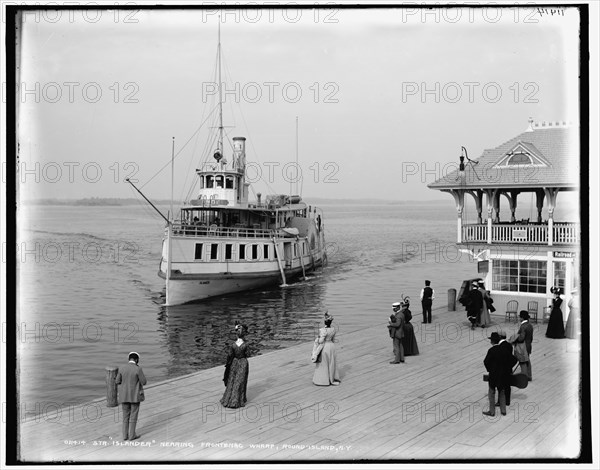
(183,291)
(195,275)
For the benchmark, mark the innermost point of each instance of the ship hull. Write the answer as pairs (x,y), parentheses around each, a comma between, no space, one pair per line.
(204,265)
(188,288)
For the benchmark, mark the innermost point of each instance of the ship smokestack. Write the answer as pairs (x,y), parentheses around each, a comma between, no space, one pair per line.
(239,151)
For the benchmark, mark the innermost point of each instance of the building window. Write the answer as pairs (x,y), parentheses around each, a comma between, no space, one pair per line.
(228,250)
(266,251)
(198,251)
(242,251)
(214,251)
(532,276)
(519,159)
(254,251)
(519,276)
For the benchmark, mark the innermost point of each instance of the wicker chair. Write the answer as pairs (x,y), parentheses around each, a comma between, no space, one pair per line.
(512,308)
(532,309)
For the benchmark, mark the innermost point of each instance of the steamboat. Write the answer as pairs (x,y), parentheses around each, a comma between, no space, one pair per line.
(221,243)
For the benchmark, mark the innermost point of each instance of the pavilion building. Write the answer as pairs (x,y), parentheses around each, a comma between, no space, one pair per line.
(526,232)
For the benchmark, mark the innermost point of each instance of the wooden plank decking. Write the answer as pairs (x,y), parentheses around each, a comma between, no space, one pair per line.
(428,408)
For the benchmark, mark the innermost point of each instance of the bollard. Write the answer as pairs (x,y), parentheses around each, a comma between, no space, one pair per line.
(111,386)
(451,300)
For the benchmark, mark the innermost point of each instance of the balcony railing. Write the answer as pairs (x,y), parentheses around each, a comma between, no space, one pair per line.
(562,233)
(215,231)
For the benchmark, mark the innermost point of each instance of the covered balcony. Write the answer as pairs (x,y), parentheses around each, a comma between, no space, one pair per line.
(523,232)
(540,168)
(494,230)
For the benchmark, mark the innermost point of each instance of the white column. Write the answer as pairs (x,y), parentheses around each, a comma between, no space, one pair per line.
(459,199)
(550,227)
(549,272)
(489,224)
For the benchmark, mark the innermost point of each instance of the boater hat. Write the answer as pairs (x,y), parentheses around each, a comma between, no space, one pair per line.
(396,304)
(134,353)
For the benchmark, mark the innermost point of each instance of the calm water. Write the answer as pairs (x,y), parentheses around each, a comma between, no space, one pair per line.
(89,292)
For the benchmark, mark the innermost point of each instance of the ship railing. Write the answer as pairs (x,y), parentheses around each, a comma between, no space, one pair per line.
(567,233)
(224,232)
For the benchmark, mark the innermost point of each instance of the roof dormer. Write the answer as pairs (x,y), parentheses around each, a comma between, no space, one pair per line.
(522,154)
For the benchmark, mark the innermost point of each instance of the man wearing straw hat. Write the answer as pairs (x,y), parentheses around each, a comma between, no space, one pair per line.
(131,379)
(396,328)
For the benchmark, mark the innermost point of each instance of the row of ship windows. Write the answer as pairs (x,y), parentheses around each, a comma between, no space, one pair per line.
(243,251)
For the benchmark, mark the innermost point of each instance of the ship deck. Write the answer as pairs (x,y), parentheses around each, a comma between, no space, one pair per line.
(429,408)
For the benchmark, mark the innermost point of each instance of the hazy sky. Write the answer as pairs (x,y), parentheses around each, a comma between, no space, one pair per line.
(385,98)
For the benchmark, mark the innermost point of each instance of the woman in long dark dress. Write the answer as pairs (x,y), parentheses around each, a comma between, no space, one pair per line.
(556,327)
(485,319)
(236,371)
(409,342)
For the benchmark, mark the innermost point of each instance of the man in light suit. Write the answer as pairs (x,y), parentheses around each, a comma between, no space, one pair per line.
(131,380)
(396,327)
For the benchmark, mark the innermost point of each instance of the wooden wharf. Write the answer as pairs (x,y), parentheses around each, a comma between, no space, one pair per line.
(427,409)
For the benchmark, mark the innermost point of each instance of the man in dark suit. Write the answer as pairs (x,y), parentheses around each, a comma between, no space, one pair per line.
(427,296)
(474,303)
(525,335)
(507,349)
(499,365)
(131,380)
(396,328)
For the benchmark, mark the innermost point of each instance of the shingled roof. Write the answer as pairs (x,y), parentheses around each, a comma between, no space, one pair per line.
(545,155)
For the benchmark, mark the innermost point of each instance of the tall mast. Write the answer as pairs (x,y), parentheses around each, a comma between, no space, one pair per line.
(172,176)
(220,92)
(297,167)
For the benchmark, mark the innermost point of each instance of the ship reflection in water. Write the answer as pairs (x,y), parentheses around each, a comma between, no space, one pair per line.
(197,335)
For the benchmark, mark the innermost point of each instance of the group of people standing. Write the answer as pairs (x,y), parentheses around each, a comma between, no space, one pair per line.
(499,361)
(402,332)
(556,327)
(400,327)
(479,304)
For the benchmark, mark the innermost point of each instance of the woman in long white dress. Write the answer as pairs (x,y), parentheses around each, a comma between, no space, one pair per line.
(326,372)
